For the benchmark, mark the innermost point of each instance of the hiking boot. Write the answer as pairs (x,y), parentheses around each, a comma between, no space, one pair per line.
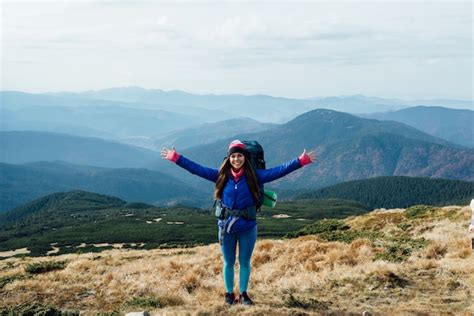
(229,298)
(245,299)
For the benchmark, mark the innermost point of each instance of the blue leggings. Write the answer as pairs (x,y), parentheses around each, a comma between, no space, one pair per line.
(246,241)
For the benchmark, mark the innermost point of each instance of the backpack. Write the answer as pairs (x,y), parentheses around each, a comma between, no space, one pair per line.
(256,153)
(257,160)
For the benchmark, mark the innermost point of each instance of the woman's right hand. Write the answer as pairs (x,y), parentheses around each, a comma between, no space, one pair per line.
(169,154)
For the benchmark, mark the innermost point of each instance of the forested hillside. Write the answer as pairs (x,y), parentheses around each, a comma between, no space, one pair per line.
(398,192)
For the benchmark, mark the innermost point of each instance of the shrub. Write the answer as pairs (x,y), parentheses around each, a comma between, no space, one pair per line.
(387,279)
(418,211)
(35,309)
(305,303)
(394,253)
(404,226)
(9,279)
(154,302)
(138,205)
(399,249)
(321,226)
(348,236)
(43,267)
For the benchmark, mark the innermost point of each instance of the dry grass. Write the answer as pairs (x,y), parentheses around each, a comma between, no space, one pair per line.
(303,275)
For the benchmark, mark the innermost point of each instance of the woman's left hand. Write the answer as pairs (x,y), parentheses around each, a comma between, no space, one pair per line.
(307,157)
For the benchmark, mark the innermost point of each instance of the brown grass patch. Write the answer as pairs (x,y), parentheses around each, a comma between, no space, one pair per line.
(435,250)
(376,220)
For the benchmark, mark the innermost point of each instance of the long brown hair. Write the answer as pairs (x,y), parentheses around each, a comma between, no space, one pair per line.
(224,173)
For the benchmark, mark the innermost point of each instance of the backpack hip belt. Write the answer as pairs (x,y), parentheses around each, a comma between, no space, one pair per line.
(249,213)
(223,212)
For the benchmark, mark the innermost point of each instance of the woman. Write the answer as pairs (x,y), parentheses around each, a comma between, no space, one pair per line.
(238,190)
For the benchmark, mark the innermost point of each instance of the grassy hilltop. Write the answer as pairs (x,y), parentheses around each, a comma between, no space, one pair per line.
(395,262)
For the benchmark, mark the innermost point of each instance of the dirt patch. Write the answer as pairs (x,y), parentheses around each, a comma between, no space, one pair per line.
(15,252)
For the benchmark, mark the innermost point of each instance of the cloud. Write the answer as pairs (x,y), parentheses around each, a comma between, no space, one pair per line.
(198,39)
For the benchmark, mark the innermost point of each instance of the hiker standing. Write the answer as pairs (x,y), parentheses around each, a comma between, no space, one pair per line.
(237,192)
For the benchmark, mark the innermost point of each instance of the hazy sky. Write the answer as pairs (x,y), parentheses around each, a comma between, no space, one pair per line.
(293,49)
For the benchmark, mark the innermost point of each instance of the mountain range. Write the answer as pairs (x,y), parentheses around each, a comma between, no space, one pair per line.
(144,117)
(348,148)
(261,107)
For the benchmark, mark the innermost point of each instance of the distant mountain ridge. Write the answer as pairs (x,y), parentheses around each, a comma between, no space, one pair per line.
(23,147)
(210,132)
(348,148)
(96,118)
(260,107)
(16,100)
(454,125)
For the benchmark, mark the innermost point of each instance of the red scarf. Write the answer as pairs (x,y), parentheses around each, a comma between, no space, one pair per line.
(238,174)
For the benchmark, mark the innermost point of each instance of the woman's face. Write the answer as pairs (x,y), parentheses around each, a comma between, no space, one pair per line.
(237,160)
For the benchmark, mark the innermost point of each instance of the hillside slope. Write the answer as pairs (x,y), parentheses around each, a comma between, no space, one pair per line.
(22,183)
(394,262)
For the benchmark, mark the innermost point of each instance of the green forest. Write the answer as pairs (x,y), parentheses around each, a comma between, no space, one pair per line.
(398,192)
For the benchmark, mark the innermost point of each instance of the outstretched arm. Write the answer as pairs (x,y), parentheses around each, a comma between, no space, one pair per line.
(277,172)
(191,166)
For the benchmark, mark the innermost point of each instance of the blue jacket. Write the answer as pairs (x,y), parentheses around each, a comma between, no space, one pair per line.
(236,195)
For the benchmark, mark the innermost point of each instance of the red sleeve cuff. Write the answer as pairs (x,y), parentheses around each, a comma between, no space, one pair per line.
(305,159)
(175,156)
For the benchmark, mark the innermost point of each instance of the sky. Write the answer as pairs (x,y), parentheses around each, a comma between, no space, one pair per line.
(398,49)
